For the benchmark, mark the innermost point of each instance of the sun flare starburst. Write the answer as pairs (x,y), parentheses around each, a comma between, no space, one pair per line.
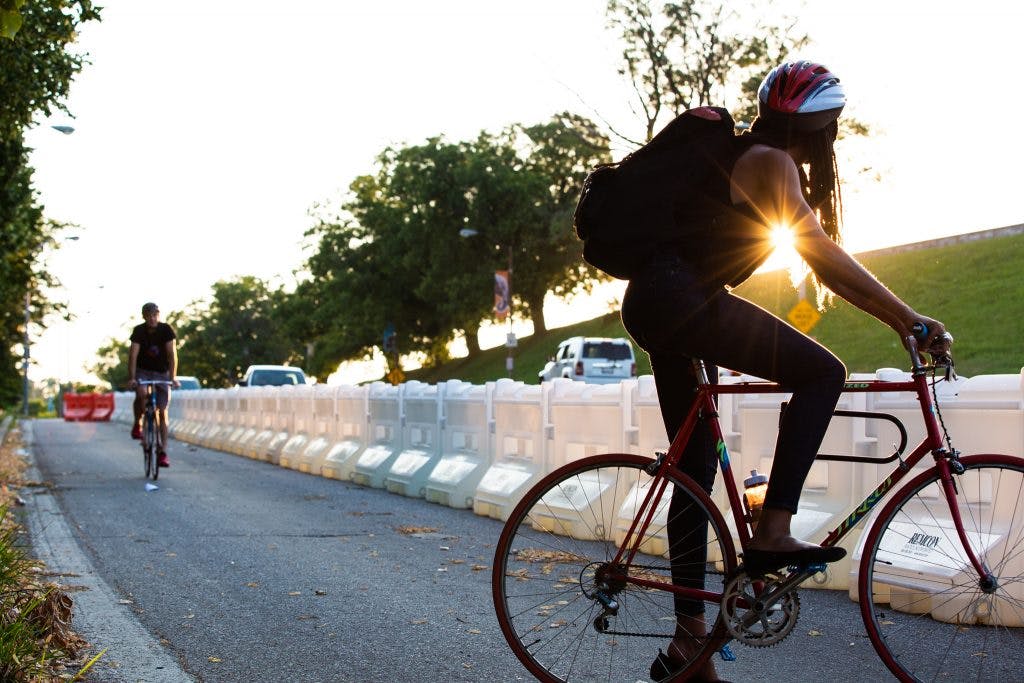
(784,254)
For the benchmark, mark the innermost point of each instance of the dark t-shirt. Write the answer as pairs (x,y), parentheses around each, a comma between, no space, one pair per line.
(153,346)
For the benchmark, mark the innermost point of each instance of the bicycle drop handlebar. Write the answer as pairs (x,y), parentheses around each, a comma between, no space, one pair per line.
(940,354)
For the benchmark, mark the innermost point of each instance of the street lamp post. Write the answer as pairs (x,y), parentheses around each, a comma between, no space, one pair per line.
(24,362)
(510,339)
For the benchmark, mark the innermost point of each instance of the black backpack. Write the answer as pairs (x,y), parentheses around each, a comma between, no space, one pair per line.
(630,210)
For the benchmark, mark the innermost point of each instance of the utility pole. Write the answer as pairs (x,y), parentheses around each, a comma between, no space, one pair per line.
(24,362)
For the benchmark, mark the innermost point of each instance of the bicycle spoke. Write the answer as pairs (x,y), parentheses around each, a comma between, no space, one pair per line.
(943,623)
(567,610)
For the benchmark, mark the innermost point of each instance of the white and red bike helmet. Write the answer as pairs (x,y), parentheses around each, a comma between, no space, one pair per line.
(802,96)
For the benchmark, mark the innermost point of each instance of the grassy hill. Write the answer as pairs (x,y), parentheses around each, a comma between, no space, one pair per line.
(975,288)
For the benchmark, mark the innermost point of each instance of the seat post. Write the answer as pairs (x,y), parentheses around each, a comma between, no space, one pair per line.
(701,371)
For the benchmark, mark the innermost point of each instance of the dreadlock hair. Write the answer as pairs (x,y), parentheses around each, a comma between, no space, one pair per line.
(820,179)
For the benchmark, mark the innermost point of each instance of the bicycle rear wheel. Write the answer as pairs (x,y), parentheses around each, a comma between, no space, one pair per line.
(554,575)
(927,612)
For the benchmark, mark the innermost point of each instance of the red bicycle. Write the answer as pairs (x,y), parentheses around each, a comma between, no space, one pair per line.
(583,591)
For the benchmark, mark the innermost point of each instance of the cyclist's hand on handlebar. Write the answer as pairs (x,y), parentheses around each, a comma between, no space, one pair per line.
(930,335)
(132,384)
(175,383)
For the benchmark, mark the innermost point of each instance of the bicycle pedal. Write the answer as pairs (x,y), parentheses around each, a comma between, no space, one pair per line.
(726,653)
(810,568)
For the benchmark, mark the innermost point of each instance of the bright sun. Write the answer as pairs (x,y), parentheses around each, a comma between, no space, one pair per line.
(782,237)
(785,254)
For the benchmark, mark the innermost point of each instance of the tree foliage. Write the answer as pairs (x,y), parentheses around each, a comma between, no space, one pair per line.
(393,256)
(697,52)
(238,328)
(219,339)
(36,70)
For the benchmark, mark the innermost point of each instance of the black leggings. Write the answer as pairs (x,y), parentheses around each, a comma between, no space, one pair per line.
(676,318)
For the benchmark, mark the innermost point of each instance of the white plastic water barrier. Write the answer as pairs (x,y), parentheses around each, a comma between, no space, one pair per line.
(422,410)
(351,435)
(323,429)
(466,452)
(586,420)
(520,447)
(248,423)
(301,426)
(384,440)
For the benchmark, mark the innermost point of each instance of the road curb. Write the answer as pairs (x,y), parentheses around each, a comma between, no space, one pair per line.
(133,654)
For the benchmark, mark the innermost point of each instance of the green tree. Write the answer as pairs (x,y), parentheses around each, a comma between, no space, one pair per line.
(394,255)
(36,70)
(697,52)
(112,364)
(217,341)
(238,328)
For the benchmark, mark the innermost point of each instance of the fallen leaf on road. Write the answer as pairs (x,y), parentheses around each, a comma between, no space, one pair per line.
(479,567)
(215,660)
(319,592)
(407,530)
(294,592)
(253,584)
(474,631)
(418,621)
(812,632)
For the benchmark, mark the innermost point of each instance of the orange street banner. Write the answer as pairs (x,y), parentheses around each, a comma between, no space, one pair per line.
(502,294)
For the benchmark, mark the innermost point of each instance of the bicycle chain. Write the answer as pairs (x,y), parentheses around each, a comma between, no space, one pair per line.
(644,635)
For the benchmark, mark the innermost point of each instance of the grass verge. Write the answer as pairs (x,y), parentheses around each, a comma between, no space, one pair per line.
(37,643)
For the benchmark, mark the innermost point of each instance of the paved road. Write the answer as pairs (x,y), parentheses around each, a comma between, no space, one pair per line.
(236,570)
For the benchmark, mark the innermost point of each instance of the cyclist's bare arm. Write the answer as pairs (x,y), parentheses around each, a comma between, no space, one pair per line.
(172,362)
(773,183)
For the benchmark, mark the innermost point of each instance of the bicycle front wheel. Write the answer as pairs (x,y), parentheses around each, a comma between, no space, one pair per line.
(568,609)
(149,447)
(928,612)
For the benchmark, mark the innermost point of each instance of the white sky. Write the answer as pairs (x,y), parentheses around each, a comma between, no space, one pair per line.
(205,131)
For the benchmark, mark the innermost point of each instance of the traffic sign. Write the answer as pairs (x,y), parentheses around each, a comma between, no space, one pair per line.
(804,316)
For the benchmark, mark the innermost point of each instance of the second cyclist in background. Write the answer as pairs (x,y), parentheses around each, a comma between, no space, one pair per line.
(153,356)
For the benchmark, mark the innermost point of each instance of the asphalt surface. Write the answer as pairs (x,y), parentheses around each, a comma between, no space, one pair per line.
(238,570)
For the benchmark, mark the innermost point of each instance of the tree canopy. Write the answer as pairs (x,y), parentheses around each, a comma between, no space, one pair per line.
(37,66)
(398,253)
(697,52)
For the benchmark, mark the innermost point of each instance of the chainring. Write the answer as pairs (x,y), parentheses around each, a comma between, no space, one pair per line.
(749,620)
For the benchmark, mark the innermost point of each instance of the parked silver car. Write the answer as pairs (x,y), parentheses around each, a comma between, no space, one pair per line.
(596,360)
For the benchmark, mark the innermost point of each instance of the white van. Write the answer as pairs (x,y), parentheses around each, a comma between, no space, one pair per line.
(595,360)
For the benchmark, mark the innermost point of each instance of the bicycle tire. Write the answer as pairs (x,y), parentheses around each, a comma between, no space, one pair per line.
(921,599)
(149,434)
(543,582)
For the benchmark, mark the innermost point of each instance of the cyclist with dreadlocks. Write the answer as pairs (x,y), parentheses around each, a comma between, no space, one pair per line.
(782,172)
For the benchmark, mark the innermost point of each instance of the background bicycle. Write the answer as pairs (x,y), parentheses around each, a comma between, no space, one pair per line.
(151,445)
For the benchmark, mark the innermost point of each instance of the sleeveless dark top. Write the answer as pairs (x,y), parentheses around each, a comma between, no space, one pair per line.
(730,241)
